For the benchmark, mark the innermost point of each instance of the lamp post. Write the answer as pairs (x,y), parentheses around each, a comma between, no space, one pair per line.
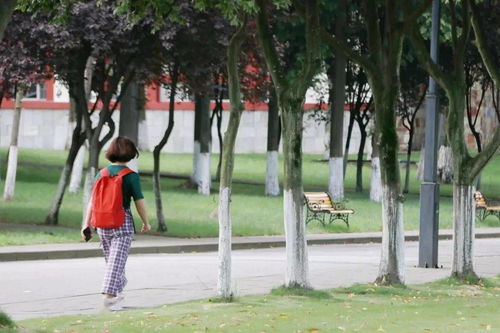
(429,189)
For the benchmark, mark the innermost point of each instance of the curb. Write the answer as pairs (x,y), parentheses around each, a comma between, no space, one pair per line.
(212,246)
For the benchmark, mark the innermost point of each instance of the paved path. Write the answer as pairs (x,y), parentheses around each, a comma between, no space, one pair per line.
(159,244)
(55,287)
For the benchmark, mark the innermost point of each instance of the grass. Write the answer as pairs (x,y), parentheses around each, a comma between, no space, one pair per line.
(191,215)
(6,324)
(441,306)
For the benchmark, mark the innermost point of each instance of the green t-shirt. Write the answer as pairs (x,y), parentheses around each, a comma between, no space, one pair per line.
(131,185)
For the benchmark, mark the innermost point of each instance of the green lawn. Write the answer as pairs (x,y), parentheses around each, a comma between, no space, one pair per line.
(189,214)
(443,306)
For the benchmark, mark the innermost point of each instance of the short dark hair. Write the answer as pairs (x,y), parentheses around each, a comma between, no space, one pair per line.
(121,149)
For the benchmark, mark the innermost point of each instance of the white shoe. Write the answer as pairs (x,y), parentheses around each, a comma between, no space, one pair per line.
(113,303)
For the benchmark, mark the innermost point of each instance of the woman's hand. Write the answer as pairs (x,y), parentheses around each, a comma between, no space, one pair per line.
(145,227)
(141,209)
(83,234)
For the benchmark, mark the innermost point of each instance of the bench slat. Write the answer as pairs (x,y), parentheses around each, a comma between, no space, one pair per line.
(321,202)
(343,211)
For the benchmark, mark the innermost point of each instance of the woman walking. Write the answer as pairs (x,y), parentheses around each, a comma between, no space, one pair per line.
(109,211)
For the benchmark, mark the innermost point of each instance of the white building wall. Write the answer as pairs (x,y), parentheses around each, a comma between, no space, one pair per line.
(48,129)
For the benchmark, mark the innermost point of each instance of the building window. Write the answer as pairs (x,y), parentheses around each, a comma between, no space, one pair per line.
(181,95)
(36,91)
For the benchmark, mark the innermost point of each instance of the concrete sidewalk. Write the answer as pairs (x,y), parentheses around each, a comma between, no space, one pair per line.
(144,244)
(44,288)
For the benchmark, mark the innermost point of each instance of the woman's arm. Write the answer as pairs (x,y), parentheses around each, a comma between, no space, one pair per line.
(86,220)
(141,209)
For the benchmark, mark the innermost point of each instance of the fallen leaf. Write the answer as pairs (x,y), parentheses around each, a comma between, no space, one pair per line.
(313,330)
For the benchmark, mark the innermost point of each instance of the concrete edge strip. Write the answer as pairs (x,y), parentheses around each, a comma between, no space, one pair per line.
(197,248)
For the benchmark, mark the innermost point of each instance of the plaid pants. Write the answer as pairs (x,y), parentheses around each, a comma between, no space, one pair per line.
(116,244)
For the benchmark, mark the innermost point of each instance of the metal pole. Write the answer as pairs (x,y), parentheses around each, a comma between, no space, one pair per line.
(429,189)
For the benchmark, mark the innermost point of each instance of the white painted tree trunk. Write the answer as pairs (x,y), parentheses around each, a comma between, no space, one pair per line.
(224,277)
(195,177)
(464,210)
(420,164)
(376,181)
(326,139)
(87,189)
(445,164)
(336,181)
(272,179)
(297,269)
(10,178)
(392,259)
(75,182)
(204,174)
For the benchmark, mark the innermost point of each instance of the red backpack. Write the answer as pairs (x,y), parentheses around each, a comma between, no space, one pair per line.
(107,200)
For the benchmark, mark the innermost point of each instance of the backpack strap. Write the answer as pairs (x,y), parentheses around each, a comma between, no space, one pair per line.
(104,172)
(125,171)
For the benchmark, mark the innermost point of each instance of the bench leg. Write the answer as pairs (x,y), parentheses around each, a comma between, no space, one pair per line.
(318,216)
(481,214)
(343,217)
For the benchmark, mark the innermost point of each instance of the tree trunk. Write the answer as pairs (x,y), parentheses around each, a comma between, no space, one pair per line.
(143,139)
(420,164)
(217,113)
(297,269)
(160,217)
(129,112)
(464,210)
(273,141)
(463,188)
(445,164)
(391,269)
(375,180)
(359,162)
(291,97)
(6,9)
(10,178)
(195,177)
(348,139)
(337,101)
(76,143)
(129,116)
(203,167)
(221,141)
(93,165)
(77,169)
(77,140)
(75,181)
(224,211)
(406,188)
(95,147)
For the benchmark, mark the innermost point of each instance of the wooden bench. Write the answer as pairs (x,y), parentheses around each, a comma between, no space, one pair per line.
(485,207)
(319,205)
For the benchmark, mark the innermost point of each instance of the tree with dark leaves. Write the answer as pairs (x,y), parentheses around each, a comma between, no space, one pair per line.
(22,64)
